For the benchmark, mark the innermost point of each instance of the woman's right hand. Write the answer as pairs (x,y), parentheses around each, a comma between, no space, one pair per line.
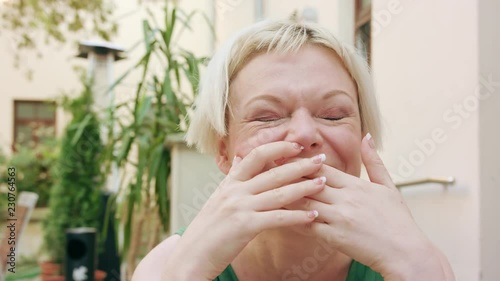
(248,201)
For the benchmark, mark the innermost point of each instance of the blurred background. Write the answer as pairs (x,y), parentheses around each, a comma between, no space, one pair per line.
(94,95)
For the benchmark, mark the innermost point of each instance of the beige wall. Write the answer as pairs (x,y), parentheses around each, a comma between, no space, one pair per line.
(52,74)
(489,133)
(428,61)
(426,70)
(425,63)
(233,15)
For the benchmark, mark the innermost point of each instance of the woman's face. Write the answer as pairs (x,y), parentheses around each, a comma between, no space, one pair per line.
(307,97)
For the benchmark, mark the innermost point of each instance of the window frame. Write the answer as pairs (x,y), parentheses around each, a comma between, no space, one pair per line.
(362,17)
(27,121)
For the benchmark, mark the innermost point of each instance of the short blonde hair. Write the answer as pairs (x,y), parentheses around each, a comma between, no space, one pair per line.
(208,120)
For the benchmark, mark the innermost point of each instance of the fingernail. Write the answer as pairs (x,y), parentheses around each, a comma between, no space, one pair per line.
(319,158)
(313,214)
(298,146)
(236,160)
(371,143)
(320,180)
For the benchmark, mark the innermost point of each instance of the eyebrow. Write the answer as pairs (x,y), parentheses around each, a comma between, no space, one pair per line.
(333,93)
(276,100)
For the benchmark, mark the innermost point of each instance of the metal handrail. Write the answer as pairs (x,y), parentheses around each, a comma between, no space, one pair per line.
(442,180)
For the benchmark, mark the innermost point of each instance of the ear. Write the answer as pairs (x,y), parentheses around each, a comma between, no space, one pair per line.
(223,159)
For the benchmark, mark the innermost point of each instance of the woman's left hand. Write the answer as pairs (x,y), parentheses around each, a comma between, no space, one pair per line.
(370,222)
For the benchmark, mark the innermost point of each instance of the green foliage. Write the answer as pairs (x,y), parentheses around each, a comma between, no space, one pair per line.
(35,168)
(159,109)
(74,199)
(3,180)
(55,19)
(31,20)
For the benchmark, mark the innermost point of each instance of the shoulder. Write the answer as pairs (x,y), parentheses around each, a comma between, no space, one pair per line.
(150,266)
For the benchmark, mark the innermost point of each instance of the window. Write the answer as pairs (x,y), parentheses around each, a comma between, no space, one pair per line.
(362,34)
(33,121)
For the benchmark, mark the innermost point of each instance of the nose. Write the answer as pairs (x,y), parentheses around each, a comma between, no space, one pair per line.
(303,130)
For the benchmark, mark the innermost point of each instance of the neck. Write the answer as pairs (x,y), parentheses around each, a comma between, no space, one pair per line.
(285,254)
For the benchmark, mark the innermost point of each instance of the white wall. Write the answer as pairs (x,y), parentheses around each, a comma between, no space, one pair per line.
(425,63)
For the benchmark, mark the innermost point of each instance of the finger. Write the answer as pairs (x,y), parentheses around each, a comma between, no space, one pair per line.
(328,195)
(256,160)
(374,166)
(286,174)
(327,232)
(308,203)
(334,177)
(279,197)
(283,218)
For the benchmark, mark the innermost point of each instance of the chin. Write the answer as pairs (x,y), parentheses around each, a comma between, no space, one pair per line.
(301,230)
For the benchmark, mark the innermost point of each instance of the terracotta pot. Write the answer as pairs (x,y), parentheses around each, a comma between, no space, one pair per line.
(99,275)
(50,268)
(52,278)
(50,272)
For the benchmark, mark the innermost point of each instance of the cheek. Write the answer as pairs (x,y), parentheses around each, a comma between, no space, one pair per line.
(347,145)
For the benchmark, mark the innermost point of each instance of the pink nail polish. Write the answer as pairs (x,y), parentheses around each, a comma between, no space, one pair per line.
(313,214)
(320,180)
(370,140)
(298,146)
(319,158)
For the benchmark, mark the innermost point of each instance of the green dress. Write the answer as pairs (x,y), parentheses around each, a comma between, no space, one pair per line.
(357,271)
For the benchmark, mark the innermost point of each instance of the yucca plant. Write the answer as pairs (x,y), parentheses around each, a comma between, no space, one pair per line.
(158,109)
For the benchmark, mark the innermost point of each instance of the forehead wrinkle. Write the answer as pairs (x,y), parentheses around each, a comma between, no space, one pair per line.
(254,77)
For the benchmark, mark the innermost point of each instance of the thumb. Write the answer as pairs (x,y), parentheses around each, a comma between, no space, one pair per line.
(374,166)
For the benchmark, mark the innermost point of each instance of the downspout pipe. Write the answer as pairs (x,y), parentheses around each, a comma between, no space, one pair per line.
(259,10)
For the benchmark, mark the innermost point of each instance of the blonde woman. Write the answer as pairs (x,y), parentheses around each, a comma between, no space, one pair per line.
(290,114)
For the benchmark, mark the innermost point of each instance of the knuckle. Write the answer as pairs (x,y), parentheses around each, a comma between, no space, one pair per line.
(345,218)
(301,165)
(280,216)
(256,153)
(349,199)
(229,204)
(319,171)
(276,176)
(377,161)
(306,204)
(279,196)
(234,172)
(240,221)
(228,208)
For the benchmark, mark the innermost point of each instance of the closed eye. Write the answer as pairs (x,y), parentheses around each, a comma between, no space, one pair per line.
(333,118)
(267,119)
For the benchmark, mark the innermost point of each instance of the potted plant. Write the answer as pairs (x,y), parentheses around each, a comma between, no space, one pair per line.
(74,198)
(35,165)
(159,109)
